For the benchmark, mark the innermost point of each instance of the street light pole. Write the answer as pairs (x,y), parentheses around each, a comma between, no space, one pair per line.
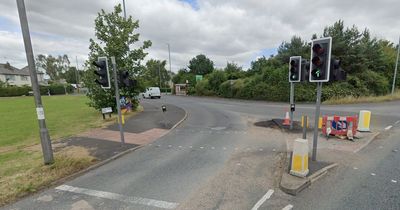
(123,2)
(169,57)
(44,133)
(395,69)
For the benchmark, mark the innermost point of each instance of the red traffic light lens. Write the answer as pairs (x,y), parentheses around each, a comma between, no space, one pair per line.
(318,49)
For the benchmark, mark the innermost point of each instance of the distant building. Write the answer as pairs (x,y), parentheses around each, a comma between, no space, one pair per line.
(18,77)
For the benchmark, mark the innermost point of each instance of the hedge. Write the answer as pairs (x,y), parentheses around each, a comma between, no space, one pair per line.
(55,89)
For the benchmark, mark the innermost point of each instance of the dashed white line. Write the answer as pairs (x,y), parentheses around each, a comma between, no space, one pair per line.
(119,197)
(274,150)
(394,181)
(201,147)
(263,199)
(372,174)
(388,127)
(397,122)
(288,207)
(355,168)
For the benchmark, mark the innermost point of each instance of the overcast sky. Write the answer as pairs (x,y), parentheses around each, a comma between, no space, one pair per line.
(224,30)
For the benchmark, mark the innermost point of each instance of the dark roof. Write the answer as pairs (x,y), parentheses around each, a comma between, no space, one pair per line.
(6,68)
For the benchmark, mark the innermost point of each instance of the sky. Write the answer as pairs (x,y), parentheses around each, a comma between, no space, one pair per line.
(237,31)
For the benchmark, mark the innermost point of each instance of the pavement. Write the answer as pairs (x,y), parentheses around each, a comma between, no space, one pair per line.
(219,159)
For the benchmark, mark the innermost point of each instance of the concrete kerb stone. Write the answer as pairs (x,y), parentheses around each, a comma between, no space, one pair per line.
(367,142)
(294,185)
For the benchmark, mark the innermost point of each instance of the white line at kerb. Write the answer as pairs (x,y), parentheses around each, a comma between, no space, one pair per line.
(263,199)
(288,207)
(389,127)
(119,197)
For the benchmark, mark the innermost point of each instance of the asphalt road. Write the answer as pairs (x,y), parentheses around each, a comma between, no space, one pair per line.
(216,159)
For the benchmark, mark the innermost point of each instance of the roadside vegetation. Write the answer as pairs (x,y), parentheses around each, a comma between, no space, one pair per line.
(363,99)
(368,61)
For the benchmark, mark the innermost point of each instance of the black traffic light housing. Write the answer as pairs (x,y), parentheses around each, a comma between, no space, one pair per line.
(102,72)
(305,70)
(337,73)
(320,59)
(125,80)
(294,69)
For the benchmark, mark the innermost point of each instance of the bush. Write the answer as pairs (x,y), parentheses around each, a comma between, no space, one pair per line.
(55,89)
(202,88)
(215,79)
(14,91)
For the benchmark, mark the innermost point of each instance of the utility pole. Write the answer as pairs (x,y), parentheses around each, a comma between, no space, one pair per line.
(291,104)
(395,69)
(159,73)
(44,133)
(316,121)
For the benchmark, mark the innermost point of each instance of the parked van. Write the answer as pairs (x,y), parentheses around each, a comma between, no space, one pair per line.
(152,92)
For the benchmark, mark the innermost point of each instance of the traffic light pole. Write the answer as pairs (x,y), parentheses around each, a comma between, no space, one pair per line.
(317,113)
(121,129)
(44,133)
(291,104)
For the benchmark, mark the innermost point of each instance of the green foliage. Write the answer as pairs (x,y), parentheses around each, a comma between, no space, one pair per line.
(215,79)
(202,88)
(54,66)
(55,89)
(151,74)
(115,36)
(201,65)
(233,71)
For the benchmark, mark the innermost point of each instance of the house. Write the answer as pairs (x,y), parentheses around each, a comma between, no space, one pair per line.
(18,77)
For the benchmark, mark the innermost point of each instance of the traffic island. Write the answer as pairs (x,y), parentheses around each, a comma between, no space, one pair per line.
(293,185)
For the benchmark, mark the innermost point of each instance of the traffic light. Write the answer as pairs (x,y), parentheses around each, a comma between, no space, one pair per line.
(102,72)
(320,59)
(337,73)
(305,70)
(294,68)
(125,80)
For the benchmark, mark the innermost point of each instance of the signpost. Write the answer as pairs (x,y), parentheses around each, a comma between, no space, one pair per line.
(107,110)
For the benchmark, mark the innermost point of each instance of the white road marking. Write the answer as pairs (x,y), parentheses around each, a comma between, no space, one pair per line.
(191,147)
(261,149)
(394,181)
(288,207)
(274,150)
(238,164)
(224,148)
(180,146)
(212,147)
(395,150)
(119,197)
(389,127)
(355,168)
(263,199)
(158,145)
(397,122)
(169,145)
(372,174)
(201,147)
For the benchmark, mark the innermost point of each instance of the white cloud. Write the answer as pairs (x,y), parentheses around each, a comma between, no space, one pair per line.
(224,30)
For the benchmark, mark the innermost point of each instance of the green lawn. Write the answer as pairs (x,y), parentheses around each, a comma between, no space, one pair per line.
(65,115)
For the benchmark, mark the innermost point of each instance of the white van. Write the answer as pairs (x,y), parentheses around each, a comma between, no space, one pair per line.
(152,92)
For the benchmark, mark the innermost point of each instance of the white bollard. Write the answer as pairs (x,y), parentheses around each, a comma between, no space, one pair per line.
(300,158)
(364,120)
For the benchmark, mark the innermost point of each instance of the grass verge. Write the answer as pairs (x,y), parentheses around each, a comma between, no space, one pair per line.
(21,162)
(363,99)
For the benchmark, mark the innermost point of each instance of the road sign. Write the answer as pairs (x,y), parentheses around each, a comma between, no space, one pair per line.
(106,110)
(199,78)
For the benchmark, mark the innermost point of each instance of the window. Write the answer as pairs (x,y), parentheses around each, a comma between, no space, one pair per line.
(10,77)
(24,78)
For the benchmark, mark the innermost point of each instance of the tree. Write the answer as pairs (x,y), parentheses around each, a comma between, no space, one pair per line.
(201,65)
(233,71)
(116,37)
(72,76)
(296,47)
(54,66)
(151,75)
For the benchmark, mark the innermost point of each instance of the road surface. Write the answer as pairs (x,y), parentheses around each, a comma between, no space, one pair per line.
(216,159)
